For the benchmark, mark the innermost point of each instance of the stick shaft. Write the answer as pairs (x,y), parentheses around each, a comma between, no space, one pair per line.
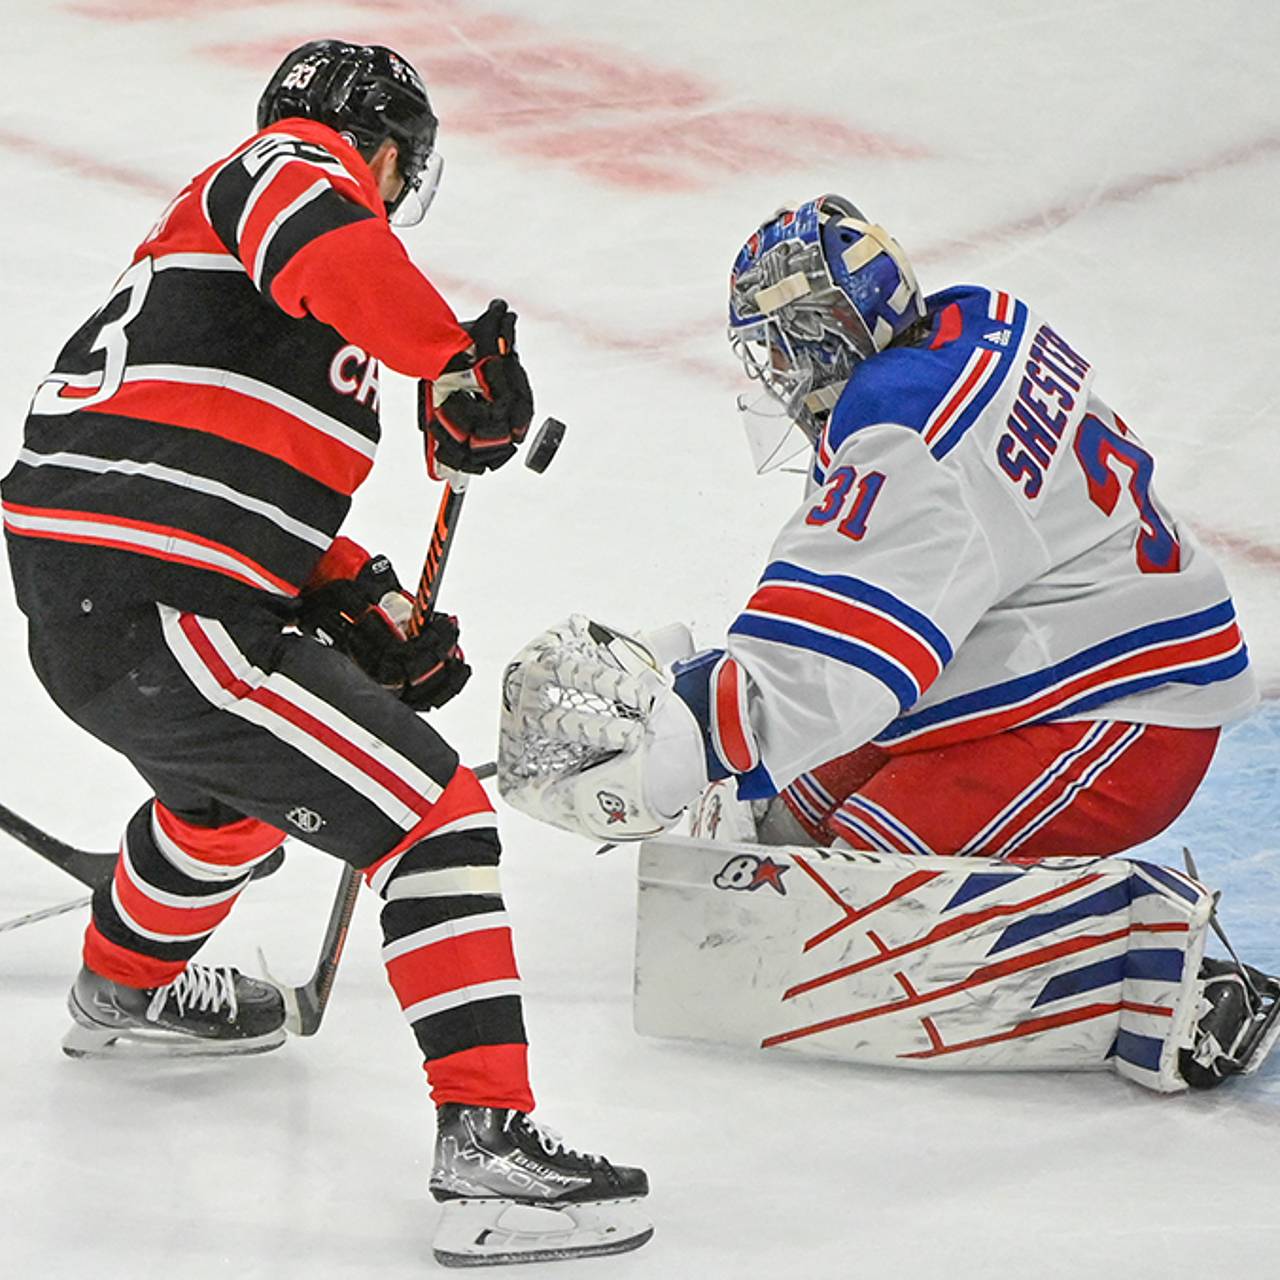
(45,914)
(307,1003)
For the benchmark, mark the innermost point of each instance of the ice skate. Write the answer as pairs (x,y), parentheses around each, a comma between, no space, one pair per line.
(204,1012)
(1239,1023)
(513,1192)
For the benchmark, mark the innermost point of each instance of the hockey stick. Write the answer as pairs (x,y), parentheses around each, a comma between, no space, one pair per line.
(46,914)
(90,868)
(305,1005)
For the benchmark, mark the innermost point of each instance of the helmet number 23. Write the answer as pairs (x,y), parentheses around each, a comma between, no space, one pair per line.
(848,499)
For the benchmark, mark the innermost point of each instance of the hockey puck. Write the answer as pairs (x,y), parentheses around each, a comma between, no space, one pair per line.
(543,446)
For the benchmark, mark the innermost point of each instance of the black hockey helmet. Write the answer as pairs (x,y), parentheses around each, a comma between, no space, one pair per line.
(367,92)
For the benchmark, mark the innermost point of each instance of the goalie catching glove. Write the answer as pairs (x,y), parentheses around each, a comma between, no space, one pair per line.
(479,409)
(356,604)
(593,737)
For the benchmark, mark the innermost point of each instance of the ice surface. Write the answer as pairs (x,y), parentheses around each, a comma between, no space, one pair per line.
(1117,163)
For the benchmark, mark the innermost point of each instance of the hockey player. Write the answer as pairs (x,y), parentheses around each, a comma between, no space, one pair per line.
(172,525)
(980,633)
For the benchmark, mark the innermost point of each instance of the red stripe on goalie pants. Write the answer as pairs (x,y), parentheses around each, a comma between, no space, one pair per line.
(234,845)
(452,964)
(1055,790)
(489,1075)
(304,720)
(128,968)
(948,796)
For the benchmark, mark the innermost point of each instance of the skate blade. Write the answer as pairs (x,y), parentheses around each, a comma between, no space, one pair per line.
(490,1233)
(136,1042)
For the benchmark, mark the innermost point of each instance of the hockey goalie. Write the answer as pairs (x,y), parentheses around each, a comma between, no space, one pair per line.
(983,661)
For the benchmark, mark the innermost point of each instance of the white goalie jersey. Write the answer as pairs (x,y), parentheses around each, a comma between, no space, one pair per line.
(980,547)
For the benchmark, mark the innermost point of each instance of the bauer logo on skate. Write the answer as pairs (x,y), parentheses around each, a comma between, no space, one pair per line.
(748,872)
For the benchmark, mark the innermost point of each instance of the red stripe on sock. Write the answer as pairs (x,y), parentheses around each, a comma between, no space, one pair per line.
(490,1075)
(232,845)
(462,798)
(129,968)
(174,922)
(451,964)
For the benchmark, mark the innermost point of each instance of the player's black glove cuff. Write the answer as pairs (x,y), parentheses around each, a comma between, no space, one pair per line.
(479,409)
(425,670)
(366,619)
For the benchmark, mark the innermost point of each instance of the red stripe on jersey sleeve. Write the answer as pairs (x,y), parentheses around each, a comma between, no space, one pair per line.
(853,620)
(341,563)
(736,739)
(359,280)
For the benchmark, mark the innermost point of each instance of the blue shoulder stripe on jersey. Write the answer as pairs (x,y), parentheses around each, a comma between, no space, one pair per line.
(847,651)
(955,433)
(862,592)
(1016,690)
(888,388)
(905,385)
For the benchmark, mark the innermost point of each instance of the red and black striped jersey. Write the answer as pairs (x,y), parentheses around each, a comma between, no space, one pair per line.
(200,437)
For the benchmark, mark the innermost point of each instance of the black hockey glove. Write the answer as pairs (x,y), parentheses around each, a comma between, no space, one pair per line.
(366,618)
(478,410)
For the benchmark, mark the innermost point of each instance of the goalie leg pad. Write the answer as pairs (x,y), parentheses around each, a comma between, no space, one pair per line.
(925,962)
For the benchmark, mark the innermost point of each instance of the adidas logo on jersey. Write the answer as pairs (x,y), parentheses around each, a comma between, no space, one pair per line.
(998,337)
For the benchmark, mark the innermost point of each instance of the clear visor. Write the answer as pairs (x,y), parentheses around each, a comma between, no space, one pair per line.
(773,438)
(774,417)
(416,198)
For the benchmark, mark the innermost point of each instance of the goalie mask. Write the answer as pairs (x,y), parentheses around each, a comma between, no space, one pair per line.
(812,292)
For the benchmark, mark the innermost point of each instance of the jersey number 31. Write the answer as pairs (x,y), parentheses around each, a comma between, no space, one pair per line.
(841,494)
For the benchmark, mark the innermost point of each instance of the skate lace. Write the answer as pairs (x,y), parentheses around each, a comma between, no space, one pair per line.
(198,988)
(551,1141)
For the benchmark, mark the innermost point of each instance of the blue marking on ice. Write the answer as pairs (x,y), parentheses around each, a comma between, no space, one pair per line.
(1232,828)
